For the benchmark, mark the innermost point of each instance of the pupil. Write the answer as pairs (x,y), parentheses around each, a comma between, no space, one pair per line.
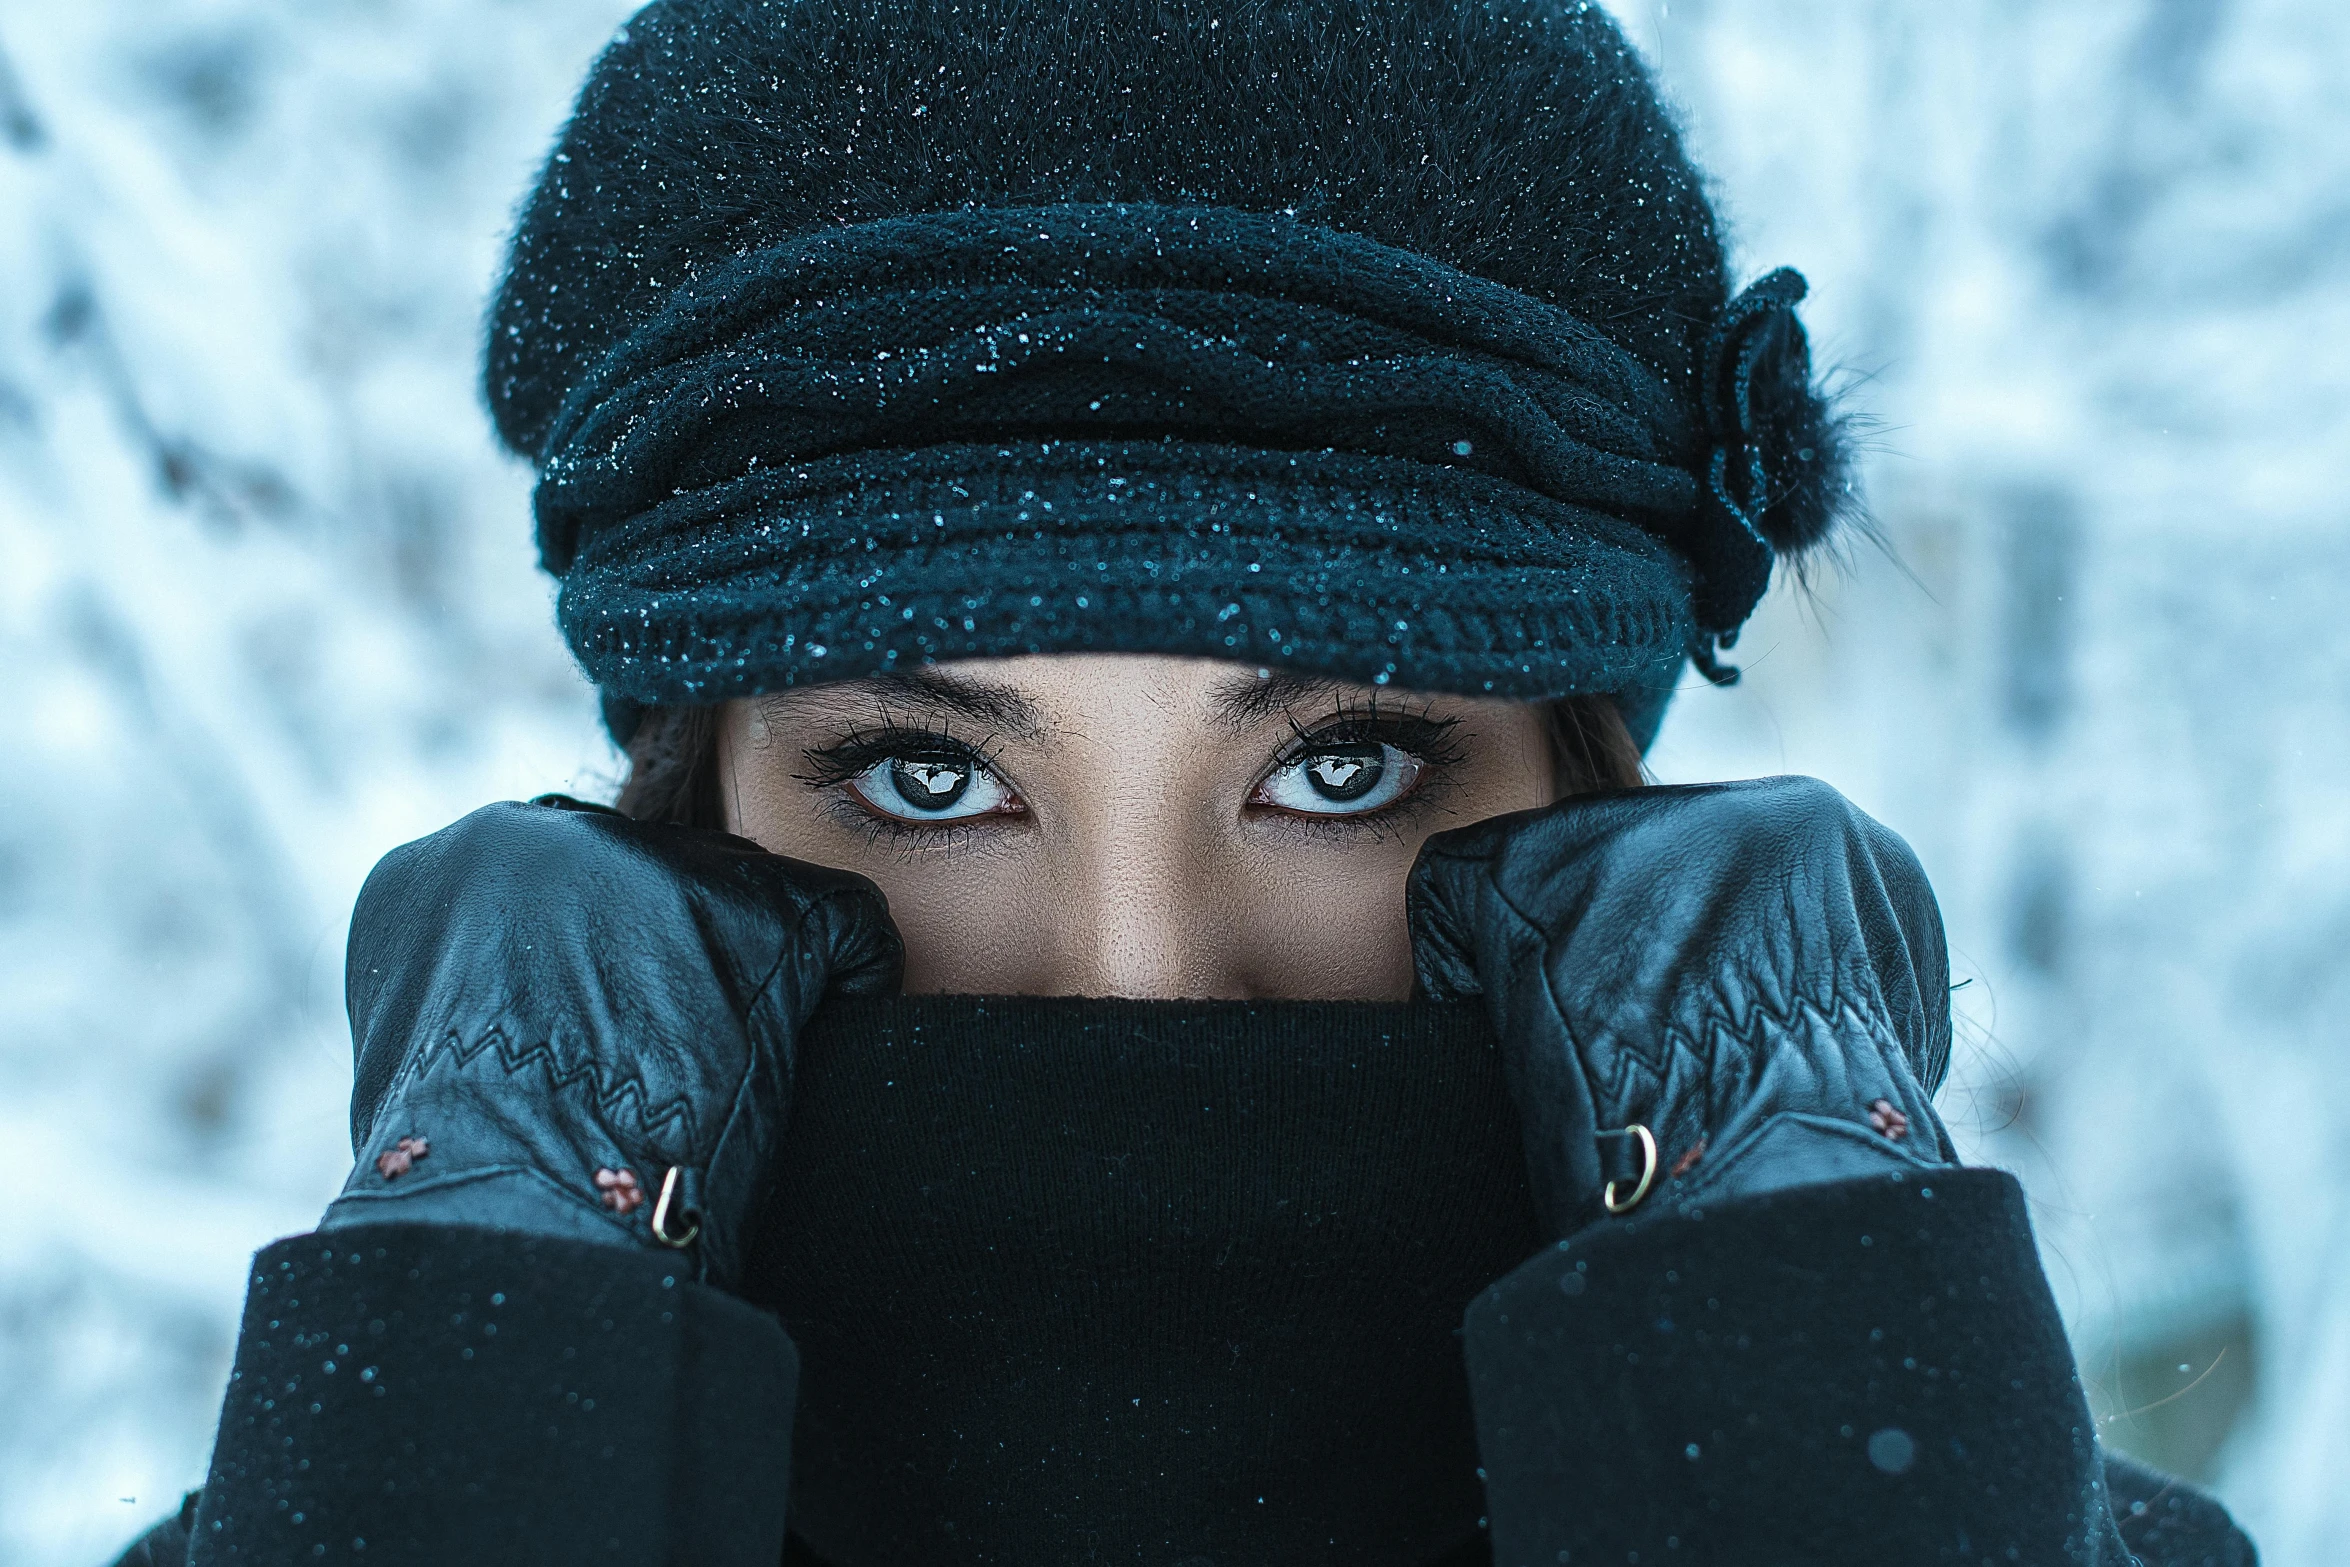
(1346,775)
(929,786)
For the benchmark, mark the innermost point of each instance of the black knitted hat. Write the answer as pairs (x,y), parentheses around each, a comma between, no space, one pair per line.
(1386,340)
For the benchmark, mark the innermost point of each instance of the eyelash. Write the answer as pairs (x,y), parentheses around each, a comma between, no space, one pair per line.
(1432,741)
(831,767)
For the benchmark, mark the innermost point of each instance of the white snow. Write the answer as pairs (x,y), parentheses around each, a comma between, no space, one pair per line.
(2091,259)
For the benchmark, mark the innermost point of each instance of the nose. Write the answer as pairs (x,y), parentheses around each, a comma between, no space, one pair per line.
(1136,923)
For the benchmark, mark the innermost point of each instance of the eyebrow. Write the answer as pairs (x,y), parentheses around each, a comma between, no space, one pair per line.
(1245,700)
(935,691)
(1239,702)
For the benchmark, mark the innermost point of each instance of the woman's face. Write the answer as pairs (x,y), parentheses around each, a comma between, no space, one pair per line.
(1128,825)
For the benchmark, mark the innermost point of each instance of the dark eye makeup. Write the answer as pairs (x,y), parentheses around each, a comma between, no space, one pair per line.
(1358,767)
(895,777)
(1361,767)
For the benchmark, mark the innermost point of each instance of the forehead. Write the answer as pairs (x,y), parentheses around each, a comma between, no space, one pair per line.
(1028,697)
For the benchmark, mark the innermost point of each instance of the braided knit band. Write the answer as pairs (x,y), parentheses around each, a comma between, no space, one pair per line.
(1201,431)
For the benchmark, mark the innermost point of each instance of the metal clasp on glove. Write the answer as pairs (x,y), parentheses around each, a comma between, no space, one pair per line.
(1647,1141)
(665,1210)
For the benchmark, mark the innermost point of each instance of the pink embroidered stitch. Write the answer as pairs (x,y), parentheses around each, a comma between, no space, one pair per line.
(1888,1120)
(621,1193)
(401,1157)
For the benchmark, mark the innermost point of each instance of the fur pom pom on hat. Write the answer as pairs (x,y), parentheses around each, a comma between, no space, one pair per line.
(1387,340)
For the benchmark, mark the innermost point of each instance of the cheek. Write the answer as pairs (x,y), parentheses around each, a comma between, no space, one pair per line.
(973,929)
(972,923)
(1323,924)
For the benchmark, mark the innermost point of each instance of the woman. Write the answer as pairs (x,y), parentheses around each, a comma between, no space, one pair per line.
(1133,1006)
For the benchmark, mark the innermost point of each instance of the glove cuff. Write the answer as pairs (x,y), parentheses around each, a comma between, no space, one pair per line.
(1792,1149)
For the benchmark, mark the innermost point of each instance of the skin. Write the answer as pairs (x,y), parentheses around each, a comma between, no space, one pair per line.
(1126,824)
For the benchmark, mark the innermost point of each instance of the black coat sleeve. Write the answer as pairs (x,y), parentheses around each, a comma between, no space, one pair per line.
(454,1396)
(1865,1371)
(1870,1371)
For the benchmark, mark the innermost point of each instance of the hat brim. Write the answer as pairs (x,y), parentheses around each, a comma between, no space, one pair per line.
(1379,570)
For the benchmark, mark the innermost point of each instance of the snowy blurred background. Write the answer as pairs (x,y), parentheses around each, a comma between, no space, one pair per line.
(267,607)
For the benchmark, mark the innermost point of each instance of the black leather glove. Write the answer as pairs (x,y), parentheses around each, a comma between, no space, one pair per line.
(1752,974)
(559,1014)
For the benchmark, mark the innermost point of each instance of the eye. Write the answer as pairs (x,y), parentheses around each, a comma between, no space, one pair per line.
(1340,780)
(933,788)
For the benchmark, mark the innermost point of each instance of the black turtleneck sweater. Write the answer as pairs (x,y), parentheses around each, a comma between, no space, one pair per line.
(1181,1285)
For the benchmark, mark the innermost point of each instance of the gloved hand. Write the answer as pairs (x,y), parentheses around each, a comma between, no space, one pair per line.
(1753,973)
(559,1013)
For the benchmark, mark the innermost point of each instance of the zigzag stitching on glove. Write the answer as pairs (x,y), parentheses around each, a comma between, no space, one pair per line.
(1723,1041)
(1693,1120)
(610,1095)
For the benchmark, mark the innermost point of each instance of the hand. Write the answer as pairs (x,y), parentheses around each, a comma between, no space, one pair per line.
(559,1013)
(1754,972)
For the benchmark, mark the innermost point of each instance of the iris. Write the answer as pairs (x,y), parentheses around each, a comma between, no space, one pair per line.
(1348,775)
(1340,779)
(932,787)
(929,785)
